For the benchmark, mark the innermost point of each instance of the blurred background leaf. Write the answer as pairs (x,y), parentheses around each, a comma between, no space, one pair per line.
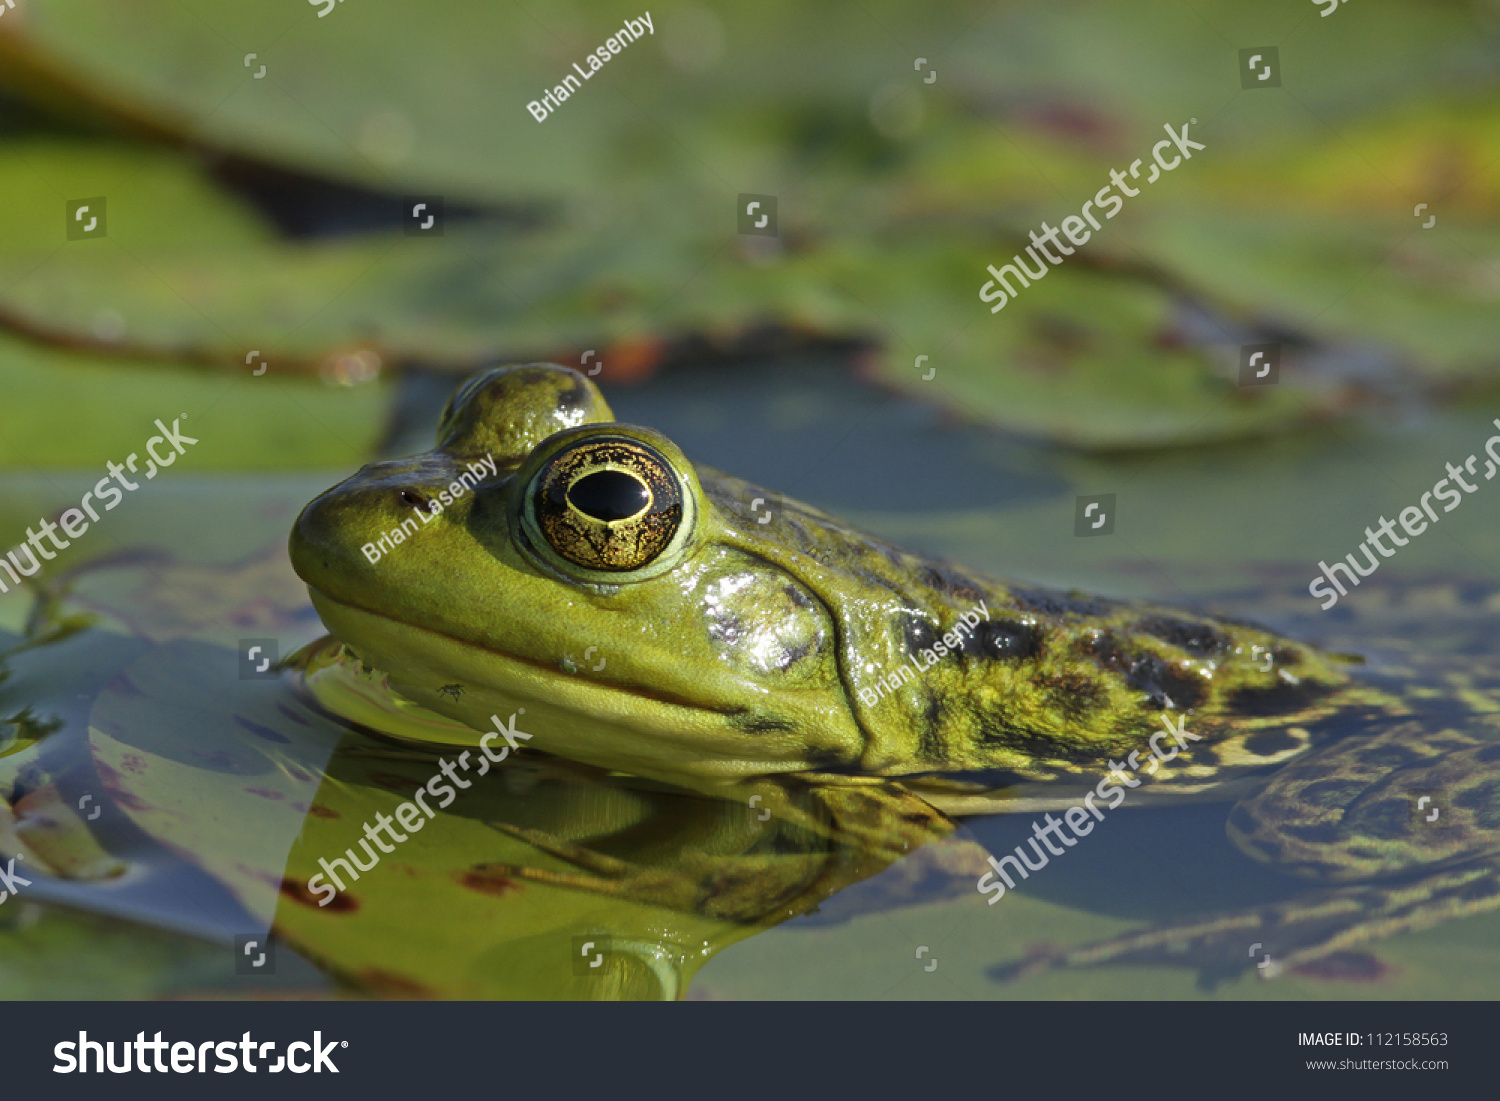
(611,225)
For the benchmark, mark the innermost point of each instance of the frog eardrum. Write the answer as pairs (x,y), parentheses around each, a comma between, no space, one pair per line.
(608,503)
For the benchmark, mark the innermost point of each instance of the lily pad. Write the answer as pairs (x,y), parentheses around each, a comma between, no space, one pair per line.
(335,99)
(1043,370)
(1430,299)
(67,409)
(258,789)
(894,192)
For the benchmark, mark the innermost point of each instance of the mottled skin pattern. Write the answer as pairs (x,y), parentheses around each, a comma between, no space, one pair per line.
(736,661)
(1052,684)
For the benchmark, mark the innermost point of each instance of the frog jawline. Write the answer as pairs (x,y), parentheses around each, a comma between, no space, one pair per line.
(541,666)
(678,759)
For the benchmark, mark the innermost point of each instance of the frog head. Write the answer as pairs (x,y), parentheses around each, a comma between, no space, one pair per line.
(542,557)
(669,621)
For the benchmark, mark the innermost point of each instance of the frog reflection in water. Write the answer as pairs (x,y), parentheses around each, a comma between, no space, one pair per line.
(735,651)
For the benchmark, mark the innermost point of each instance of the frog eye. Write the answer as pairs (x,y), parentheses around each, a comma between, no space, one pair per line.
(607,503)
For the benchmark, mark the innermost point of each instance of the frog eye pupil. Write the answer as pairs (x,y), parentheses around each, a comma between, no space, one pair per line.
(609,504)
(609,495)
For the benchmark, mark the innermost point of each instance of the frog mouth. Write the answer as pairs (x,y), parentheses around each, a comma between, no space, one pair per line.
(630,728)
(548,670)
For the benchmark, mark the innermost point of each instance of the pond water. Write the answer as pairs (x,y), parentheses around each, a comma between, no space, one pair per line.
(173,799)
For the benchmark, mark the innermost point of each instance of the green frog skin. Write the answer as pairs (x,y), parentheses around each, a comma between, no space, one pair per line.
(642,614)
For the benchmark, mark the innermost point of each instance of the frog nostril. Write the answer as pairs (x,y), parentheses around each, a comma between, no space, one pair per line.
(415,500)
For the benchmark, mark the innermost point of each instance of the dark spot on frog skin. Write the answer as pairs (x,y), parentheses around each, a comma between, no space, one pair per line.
(1146,672)
(1489,754)
(318,810)
(297,891)
(997,728)
(1198,639)
(1278,699)
(917,633)
(761,724)
(725,628)
(931,746)
(487,879)
(1008,640)
(1268,743)
(574,397)
(950,582)
(1288,658)
(1344,722)
(1054,603)
(133,763)
(1075,695)
(783,844)
(264,793)
(261,731)
(791,656)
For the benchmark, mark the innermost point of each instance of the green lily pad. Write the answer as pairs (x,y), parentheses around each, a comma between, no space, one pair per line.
(893,194)
(182,271)
(1430,298)
(1093,359)
(337,100)
(1071,365)
(67,409)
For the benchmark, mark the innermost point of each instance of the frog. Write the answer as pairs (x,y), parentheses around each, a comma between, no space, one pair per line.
(741,644)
